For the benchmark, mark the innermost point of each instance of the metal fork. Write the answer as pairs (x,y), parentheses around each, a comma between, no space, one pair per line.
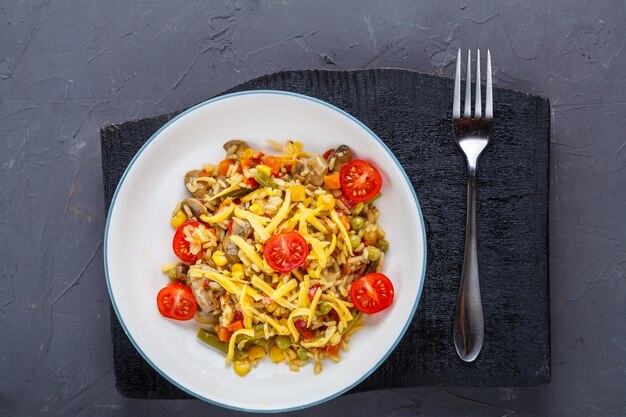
(472,135)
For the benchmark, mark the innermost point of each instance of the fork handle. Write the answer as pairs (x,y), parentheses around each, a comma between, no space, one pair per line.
(469,325)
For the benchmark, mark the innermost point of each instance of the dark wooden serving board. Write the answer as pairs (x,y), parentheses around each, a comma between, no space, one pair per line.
(411,113)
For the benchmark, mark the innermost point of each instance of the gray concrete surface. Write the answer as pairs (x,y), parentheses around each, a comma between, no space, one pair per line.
(68,67)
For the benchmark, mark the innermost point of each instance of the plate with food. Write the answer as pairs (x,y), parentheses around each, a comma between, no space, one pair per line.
(265,251)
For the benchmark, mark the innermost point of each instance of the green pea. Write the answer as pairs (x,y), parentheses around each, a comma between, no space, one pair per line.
(355,240)
(324,308)
(302,354)
(383,245)
(283,342)
(373,253)
(357,223)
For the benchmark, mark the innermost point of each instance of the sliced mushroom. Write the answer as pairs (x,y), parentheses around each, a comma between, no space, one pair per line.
(243,230)
(235,147)
(331,272)
(199,188)
(197,208)
(298,167)
(181,271)
(341,156)
(230,249)
(318,165)
(316,180)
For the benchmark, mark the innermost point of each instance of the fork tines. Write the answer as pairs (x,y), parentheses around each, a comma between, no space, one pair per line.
(467,109)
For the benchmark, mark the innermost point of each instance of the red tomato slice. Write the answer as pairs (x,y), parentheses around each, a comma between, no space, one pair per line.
(359,180)
(181,246)
(372,293)
(286,251)
(175,301)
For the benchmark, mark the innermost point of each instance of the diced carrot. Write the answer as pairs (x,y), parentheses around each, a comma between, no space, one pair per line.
(235,325)
(222,168)
(224,334)
(332,181)
(273,163)
(333,350)
(344,219)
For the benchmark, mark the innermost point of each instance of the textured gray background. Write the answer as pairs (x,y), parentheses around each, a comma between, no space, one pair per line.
(66,68)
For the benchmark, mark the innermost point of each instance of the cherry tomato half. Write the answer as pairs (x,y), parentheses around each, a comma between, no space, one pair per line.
(181,246)
(286,251)
(372,293)
(359,180)
(175,301)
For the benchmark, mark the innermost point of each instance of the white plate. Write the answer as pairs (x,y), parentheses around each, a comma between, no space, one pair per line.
(138,242)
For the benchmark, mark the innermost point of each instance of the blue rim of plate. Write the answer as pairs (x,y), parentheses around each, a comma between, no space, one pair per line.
(304,97)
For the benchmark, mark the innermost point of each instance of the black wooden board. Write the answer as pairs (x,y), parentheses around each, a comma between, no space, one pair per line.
(411,113)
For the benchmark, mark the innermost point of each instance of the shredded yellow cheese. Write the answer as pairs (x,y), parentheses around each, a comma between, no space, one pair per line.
(292,327)
(315,222)
(323,341)
(221,279)
(344,232)
(282,291)
(280,329)
(340,308)
(231,343)
(246,215)
(256,225)
(303,295)
(316,299)
(318,250)
(250,253)
(221,215)
(259,192)
(234,186)
(280,216)
(267,289)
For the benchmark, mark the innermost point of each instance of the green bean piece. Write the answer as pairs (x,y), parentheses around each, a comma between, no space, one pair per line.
(353,322)
(383,245)
(212,340)
(357,223)
(240,354)
(260,342)
(283,342)
(302,354)
(373,253)
(324,308)
(355,240)
(264,180)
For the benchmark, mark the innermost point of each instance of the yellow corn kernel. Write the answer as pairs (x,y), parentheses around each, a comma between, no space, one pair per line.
(276,354)
(219,258)
(179,218)
(242,367)
(297,192)
(256,352)
(247,153)
(237,271)
(264,169)
(271,308)
(326,202)
(256,209)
